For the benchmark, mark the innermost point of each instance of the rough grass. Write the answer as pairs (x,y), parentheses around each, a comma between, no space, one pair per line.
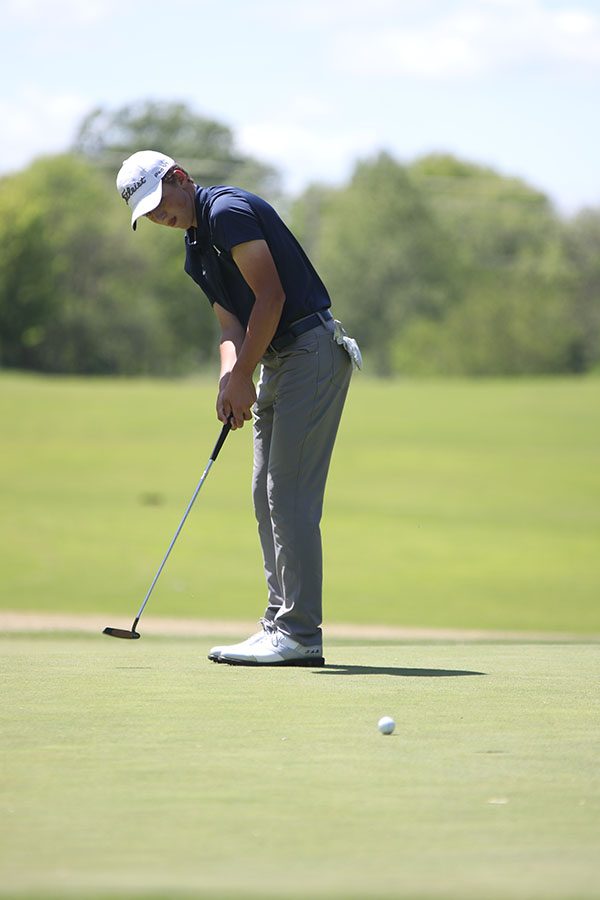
(468,504)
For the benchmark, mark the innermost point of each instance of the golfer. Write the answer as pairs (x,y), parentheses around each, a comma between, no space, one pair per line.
(272,309)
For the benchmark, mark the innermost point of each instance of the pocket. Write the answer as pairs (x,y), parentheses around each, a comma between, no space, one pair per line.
(302,346)
(292,351)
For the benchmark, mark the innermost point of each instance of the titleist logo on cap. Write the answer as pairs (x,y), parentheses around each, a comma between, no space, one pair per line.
(132,188)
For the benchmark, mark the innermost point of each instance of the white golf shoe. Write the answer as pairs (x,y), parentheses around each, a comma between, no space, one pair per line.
(272,648)
(265,627)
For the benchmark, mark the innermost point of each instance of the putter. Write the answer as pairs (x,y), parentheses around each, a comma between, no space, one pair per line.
(133,634)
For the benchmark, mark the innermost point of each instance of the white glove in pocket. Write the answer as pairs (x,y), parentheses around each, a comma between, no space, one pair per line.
(349,344)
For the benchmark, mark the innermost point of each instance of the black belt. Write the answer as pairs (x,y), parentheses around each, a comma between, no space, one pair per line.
(300,326)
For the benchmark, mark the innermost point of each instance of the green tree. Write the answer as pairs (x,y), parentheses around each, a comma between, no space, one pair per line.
(79,292)
(75,296)
(381,252)
(502,326)
(207,150)
(498,221)
(516,310)
(582,241)
(202,146)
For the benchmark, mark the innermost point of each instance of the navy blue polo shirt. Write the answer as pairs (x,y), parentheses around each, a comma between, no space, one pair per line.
(228,216)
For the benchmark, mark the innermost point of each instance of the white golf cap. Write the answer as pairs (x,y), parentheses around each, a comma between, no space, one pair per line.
(139,181)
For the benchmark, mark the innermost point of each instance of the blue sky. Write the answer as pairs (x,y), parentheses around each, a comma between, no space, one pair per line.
(313,86)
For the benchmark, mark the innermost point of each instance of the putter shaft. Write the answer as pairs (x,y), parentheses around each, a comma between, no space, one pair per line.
(119,632)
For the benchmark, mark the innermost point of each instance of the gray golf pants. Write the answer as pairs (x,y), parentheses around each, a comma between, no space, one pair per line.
(300,398)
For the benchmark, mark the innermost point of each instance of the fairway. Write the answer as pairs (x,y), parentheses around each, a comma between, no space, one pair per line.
(142,770)
(462,504)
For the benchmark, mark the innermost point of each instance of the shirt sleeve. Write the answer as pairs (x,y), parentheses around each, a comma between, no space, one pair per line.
(233,222)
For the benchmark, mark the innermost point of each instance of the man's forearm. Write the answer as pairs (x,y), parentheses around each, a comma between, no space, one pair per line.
(262,325)
(228,350)
(258,270)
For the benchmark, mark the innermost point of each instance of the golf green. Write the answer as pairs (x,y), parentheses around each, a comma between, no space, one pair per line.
(139,769)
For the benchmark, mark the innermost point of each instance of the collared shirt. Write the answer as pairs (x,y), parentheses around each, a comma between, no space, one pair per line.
(228,216)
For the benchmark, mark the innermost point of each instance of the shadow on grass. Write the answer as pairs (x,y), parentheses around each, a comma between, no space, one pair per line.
(389,670)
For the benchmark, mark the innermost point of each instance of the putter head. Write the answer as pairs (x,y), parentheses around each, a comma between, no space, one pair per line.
(122,633)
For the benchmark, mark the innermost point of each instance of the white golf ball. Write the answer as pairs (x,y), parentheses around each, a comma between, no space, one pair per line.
(386,725)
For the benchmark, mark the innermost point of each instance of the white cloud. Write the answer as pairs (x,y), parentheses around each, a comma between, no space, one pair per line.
(296,14)
(575,35)
(36,123)
(304,152)
(41,12)
(474,38)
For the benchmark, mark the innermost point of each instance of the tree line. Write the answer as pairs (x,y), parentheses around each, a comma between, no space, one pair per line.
(438,266)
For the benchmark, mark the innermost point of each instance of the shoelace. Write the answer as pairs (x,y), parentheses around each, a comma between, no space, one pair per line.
(271,632)
(275,637)
(267,625)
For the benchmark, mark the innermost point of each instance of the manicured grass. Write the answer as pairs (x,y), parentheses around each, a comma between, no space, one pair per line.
(142,770)
(457,503)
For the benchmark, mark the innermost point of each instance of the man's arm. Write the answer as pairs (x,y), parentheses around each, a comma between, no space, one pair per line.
(237,394)
(230,343)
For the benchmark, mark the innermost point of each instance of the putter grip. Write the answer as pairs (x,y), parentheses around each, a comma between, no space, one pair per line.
(224,432)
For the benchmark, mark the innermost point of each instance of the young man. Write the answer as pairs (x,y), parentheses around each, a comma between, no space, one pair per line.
(272,309)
